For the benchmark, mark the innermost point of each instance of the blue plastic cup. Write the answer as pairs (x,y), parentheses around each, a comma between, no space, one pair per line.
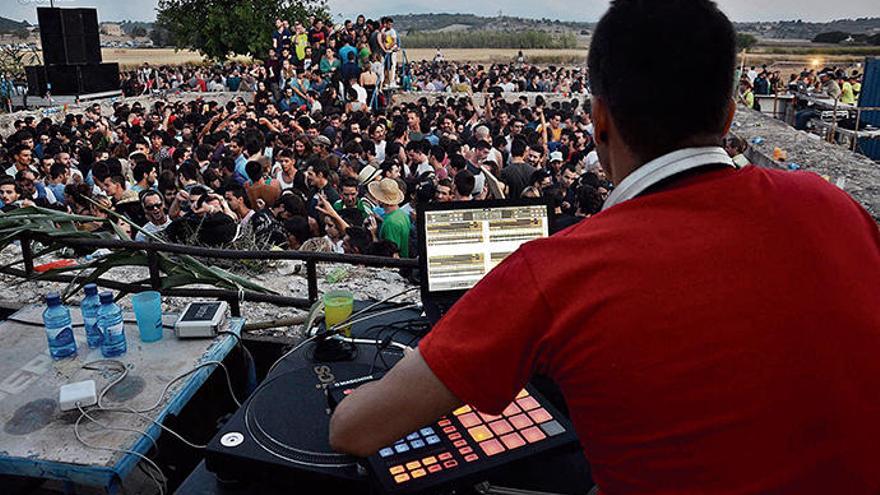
(148,312)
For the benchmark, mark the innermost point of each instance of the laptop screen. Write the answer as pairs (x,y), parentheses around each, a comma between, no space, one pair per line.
(462,242)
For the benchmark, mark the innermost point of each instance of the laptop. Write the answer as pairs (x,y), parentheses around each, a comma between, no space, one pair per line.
(459,243)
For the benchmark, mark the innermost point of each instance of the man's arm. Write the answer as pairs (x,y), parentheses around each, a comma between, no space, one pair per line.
(409,397)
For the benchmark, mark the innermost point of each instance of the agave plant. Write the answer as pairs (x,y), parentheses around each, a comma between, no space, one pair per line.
(53,227)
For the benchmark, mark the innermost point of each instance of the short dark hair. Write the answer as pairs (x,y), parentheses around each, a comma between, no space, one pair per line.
(465,183)
(638,39)
(359,238)
(349,182)
(141,170)
(254,171)
(518,147)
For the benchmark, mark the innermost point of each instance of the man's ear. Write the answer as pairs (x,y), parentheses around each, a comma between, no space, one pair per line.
(601,120)
(731,113)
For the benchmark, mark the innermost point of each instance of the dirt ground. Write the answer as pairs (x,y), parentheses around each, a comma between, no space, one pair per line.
(128,57)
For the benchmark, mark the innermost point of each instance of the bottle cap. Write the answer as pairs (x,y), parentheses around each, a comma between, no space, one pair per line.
(91,289)
(106,297)
(53,299)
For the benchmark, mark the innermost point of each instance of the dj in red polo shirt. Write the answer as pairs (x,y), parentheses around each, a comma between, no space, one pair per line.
(713,330)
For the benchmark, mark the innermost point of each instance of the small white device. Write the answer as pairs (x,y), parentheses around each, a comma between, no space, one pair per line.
(82,393)
(201,319)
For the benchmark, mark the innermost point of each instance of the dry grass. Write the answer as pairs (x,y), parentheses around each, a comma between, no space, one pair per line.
(133,57)
(128,57)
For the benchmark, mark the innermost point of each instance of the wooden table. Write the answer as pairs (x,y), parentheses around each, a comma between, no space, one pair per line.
(37,439)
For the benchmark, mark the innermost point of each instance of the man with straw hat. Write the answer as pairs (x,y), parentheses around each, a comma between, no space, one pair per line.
(396,224)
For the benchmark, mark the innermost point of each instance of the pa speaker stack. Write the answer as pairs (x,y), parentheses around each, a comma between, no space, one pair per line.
(72,63)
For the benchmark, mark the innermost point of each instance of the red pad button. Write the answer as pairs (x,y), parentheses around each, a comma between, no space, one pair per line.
(465,450)
(489,417)
(454,436)
(459,443)
(521,421)
(449,429)
(540,415)
(492,447)
(450,464)
(434,468)
(444,422)
(471,457)
(501,427)
(510,410)
(533,434)
(470,419)
(444,456)
(513,441)
(528,403)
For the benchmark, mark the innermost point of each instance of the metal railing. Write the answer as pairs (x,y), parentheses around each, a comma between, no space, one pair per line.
(234,298)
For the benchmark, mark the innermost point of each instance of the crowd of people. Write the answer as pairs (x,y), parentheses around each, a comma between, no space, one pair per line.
(319,173)
(839,84)
(315,58)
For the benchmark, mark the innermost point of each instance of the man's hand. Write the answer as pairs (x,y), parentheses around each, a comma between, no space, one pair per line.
(409,397)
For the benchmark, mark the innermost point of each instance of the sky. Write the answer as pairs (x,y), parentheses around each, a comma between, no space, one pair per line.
(738,10)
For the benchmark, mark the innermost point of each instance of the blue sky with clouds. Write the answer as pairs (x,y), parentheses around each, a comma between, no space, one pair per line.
(575,10)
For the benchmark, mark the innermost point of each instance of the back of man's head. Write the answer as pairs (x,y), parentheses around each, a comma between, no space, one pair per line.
(640,52)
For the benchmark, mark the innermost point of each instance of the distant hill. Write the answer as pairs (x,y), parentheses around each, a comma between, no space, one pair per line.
(470,22)
(9,26)
(808,30)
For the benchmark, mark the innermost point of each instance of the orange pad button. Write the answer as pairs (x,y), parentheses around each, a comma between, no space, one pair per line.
(397,470)
(400,478)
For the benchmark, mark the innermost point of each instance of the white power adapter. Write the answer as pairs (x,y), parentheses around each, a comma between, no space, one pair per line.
(83,393)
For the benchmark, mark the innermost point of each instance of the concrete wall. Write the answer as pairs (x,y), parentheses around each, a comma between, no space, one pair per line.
(57,113)
(858,175)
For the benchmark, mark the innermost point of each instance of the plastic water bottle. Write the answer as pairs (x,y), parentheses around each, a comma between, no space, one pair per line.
(89,307)
(59,329)
(112,327)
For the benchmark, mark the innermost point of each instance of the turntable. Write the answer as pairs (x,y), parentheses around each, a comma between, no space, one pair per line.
(281,434)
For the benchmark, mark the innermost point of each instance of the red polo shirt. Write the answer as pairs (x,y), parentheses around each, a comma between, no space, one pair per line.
(719,335)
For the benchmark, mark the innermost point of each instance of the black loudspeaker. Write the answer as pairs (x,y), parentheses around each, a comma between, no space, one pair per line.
(89,18)
(73,23)
(93,50)
(36,80)
(75,47)
(64,80)
(69,36)
(99,78)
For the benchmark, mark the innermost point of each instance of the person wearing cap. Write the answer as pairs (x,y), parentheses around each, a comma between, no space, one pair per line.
(829,85)
(322,145)
(396,223)
(556,161)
